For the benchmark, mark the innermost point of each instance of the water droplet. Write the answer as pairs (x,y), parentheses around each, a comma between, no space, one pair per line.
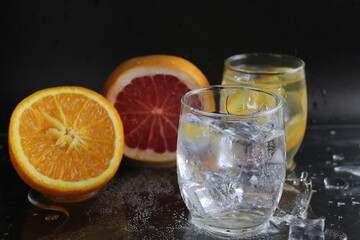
(51,217)
(354,203)
(355,170)
(316,105)
(335,234)
(340,217)
(323,92)
(332,132)
(338,157)
(335,183)
(340,204)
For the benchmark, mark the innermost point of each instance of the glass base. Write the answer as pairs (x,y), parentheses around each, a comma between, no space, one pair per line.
(230,232)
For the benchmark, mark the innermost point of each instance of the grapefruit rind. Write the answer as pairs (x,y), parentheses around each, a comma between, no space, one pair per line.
(191,76)
(151,65)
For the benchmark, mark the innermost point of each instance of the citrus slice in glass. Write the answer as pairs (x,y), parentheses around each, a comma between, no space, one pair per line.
(295,130)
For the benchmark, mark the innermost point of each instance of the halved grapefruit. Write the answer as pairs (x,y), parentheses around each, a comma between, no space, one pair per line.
(146,91)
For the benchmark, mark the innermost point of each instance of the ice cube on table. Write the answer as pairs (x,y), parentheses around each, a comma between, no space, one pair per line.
(295,199)
(307,229)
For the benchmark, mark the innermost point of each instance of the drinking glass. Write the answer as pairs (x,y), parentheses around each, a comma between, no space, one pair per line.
(282,74)
(231,162)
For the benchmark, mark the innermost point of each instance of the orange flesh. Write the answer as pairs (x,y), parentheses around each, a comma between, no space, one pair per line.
(69,130)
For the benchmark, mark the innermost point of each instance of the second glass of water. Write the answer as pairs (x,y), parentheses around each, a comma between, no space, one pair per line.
(231,157)
(279,73)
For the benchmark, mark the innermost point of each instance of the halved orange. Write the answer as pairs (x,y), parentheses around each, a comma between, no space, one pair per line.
(65,141)
(146,91)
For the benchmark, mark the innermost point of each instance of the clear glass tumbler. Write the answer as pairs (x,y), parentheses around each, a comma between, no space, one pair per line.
(231,161)
(279,73)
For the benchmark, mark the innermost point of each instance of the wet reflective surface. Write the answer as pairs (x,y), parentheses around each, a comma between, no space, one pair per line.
(145,203)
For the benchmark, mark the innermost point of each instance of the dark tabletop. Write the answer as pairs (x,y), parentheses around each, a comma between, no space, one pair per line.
(145,203)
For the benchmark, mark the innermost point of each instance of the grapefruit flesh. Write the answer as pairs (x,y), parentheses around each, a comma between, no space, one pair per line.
(147,91)
(151,120)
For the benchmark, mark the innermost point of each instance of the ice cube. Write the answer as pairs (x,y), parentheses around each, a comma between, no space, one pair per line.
(222,147)
(295,199)
(278,157)
(238,130)
(236,191)
(307,229)
(208,199)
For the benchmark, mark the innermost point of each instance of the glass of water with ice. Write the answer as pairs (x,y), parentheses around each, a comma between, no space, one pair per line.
(231,157)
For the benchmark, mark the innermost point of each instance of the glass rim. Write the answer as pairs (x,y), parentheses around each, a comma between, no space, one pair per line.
(228,61)
(196,111)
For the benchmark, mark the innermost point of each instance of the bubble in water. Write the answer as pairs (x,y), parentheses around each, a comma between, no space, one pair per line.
(355,170)
(338,157)
(335,183)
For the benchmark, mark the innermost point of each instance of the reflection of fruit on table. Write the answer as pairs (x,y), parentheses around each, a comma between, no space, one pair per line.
(81,220)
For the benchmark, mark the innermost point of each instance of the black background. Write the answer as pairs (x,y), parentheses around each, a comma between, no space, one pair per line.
(51,43)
